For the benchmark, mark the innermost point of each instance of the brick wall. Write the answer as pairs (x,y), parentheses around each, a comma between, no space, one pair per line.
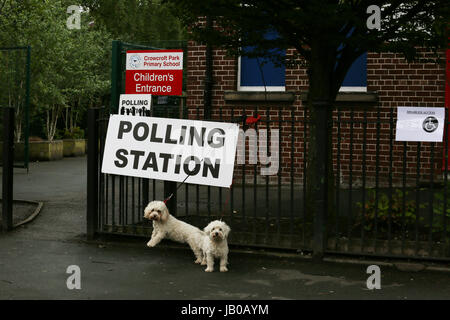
(396,82)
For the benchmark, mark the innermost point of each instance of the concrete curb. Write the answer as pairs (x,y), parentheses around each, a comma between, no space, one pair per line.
(33,215)
(399,265)
(405,266)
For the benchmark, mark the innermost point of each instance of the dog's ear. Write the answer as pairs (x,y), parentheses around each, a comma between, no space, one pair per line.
(207,229)
(164,214)
(148,209)
(226,230)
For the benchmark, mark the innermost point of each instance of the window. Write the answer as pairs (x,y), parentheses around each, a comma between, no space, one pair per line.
(356,77)
(261,74)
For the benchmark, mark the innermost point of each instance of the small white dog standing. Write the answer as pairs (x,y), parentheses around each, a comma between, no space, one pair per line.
(167,226)
(215,245)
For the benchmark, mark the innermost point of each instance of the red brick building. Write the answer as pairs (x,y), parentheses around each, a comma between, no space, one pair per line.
(361,148)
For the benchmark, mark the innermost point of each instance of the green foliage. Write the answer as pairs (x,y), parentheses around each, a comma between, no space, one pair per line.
(69,67)
(438,211)
(137,21)
(75,133)
(401,212)
(328,35)
(398,211)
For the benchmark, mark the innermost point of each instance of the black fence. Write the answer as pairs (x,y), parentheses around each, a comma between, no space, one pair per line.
(384,197)
(388,198)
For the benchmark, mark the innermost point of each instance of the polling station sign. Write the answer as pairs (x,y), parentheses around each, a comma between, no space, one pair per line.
(420,124)
(156,72)
(135,104)
(171,149)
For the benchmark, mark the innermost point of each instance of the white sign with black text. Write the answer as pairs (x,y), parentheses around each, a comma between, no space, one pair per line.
(171,149)
(420,124)
(135,104)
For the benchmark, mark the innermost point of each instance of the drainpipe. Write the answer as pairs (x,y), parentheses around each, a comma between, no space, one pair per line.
(207,95)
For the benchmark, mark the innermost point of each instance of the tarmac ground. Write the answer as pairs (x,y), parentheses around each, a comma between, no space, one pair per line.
(35,257)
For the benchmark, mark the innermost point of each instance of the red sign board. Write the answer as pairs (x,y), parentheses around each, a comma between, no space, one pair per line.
(156,72)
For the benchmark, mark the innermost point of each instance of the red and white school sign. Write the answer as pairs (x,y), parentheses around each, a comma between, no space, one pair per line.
(156,72)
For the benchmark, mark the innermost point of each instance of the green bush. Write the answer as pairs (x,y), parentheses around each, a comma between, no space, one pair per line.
(438,212)
(396,212)
(76,133)
(383,213)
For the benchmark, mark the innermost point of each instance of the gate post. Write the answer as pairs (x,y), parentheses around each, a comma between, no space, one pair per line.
(8,163)
(116,78)
(92,173)
(322,109)
(26,137)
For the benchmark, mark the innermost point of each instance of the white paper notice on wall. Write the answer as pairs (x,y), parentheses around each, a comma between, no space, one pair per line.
(420,124)
(171,149)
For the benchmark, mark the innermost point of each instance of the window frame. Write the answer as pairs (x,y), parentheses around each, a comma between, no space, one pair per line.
(355,88)
(257,88)
(267,88)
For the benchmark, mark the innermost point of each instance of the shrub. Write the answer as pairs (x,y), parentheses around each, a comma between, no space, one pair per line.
(388,210)
(76,133)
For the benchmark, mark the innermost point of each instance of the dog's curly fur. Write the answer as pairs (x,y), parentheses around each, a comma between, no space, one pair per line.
(215,245)
(167,226)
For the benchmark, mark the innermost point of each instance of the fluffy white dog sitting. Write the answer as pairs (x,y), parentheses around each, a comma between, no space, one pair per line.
(167,226)
(215,245)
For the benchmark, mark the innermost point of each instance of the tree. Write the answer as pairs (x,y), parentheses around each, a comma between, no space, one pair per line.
(327,35)
(137,21)
(69,67)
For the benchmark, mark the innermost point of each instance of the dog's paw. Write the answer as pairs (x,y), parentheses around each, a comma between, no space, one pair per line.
(198,261)
(223,269)
(209,270)
(150,244)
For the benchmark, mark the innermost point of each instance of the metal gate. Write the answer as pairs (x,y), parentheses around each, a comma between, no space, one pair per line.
(389,198)
(392,197)
(262,210)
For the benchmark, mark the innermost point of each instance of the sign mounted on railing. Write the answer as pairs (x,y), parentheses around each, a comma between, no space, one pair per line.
(420,124)
(135,104)
(156,72)
(171,149)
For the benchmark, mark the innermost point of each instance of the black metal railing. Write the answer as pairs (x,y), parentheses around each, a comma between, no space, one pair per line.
(382,198)
(390,196)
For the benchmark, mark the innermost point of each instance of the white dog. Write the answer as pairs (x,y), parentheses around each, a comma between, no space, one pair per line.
(167,226)
(215,245)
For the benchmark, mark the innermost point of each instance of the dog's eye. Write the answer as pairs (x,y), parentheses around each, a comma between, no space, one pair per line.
(159,211)
(220,229)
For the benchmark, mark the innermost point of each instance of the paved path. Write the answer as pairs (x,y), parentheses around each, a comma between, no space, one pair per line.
(34,259)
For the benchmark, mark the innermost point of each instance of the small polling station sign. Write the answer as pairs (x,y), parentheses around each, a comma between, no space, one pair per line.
(171,149)
(420,124)
(135,104)
(156,72)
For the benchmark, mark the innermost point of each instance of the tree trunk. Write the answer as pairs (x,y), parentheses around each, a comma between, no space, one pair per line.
(320,91)
(19,109)
(52,120)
